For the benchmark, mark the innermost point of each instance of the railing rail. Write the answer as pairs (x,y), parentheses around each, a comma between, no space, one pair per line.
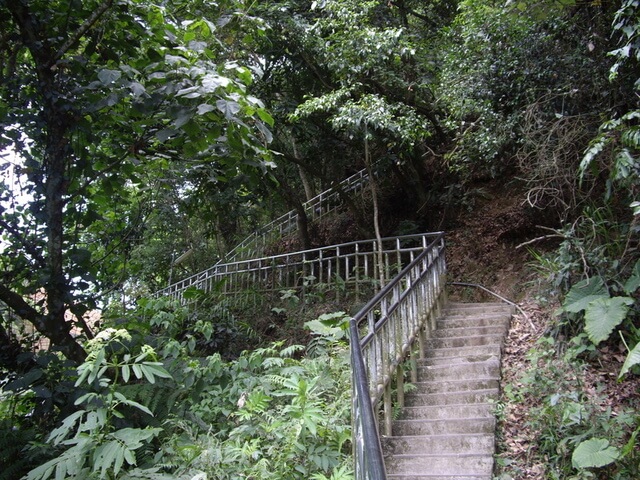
(316,208)
(383,333)
(352,263)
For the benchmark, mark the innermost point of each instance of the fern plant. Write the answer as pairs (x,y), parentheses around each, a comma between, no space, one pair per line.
(277,415)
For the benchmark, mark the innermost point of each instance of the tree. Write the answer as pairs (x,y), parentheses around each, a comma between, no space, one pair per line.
(326,55)
(99,100)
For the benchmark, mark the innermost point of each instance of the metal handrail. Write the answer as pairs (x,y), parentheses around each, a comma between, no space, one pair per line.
(353,262)
(383,333)
(316,208)
(365,431)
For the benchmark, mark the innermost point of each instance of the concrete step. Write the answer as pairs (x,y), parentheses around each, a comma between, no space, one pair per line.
(467,351)
(470,331)
(461,308)
(455,465)
(464,321)
(451,398)
(439,477)
(464,341)
(446,430)
(441,359)
(489,368)
(449,426)
(446,386)
(442,412)
(437,444)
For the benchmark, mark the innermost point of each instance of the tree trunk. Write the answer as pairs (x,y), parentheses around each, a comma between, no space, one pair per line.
(302,220)
(306,183)
(56,124)
(376,212)
(46,324)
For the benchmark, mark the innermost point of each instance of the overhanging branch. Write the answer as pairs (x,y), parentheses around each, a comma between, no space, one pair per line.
(84,28)
(25,311)
(57,332)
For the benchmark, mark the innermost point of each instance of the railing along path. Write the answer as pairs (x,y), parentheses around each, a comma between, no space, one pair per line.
(316,208)
(353,264)
(383,334)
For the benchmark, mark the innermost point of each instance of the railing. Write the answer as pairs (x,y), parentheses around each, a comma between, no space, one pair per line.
(353,264)
(382,337)
(383,332)
(320,205)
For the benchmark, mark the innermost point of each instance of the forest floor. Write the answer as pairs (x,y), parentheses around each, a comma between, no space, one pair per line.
(485,247)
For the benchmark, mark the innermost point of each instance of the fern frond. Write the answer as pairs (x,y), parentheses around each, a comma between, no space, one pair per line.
(272,362)
(278,380)
(291,350)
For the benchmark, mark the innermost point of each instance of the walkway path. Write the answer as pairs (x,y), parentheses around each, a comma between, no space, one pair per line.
(447,429)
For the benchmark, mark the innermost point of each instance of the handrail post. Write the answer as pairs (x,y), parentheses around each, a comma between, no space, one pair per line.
(400,385)
(383,333)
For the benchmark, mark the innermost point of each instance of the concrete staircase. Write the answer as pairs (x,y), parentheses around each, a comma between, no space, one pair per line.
(446,431)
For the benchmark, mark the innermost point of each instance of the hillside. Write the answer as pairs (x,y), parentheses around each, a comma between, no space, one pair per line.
(554,391)
(140,142)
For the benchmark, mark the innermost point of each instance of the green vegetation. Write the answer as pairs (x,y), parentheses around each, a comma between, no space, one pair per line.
(141,141)
(161,411)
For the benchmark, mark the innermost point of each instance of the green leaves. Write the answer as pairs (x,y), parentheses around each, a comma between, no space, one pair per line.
(147,97)
(108,77)
(92,441)
(595,452)
(583,293)
(354,113)
(228,108)
(120,448)
(633,282)
(633,358)
(290,414)
(602,315)
(602,312)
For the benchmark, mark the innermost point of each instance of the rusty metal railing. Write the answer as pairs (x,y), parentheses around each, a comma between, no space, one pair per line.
(383,334)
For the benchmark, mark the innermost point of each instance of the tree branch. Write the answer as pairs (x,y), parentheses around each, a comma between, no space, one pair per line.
(28,247)
(57,333)
(18,304)
(86,25)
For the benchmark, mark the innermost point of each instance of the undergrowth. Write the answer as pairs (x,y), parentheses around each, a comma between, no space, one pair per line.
(569,427)
(149,407)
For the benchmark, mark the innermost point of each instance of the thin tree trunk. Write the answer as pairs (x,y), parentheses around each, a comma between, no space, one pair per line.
(306,183)
(376,212)
(302,219)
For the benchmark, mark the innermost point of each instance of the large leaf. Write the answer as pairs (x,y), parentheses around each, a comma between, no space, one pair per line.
(632,359)
(228,107)
(107,76)
(633,283)
(583,293)
(595,452)
(603,315)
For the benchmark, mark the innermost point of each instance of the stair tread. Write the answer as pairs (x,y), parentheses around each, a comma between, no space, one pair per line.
(446,430)
(439,477)
(443,420)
